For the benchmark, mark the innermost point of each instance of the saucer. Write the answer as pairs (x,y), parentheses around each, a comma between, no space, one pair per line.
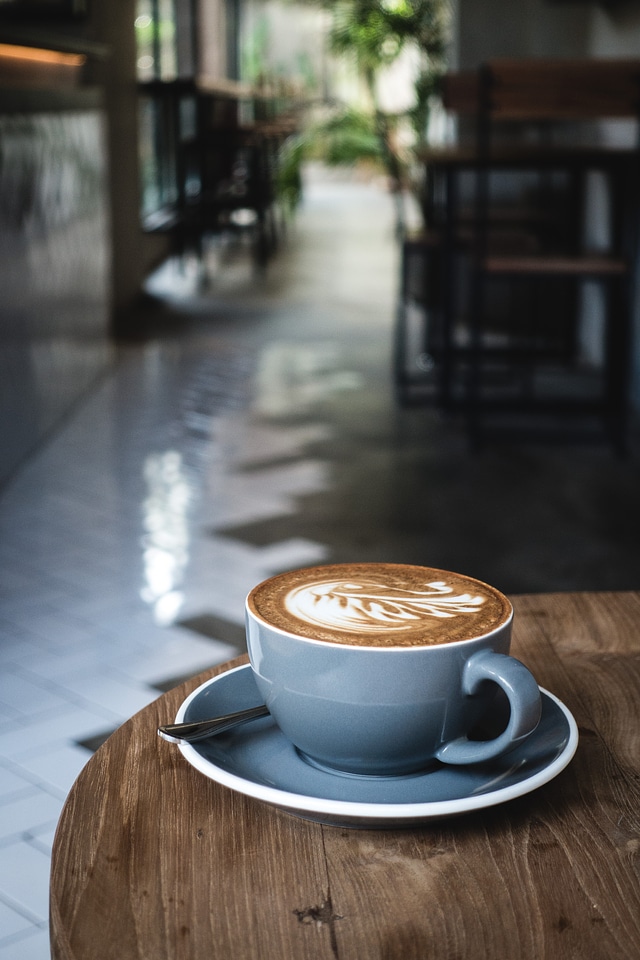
(256,759)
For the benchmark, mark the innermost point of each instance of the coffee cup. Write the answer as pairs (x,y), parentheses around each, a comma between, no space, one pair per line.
(382,669)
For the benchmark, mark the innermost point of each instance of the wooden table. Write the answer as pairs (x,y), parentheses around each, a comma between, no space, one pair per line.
(152,860)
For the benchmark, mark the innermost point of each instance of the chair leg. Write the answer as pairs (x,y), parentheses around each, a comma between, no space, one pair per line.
(448,301)
(617,362)
(422,259)
(474,373)
(400,333)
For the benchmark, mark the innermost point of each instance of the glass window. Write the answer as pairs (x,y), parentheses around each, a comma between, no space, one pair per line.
(168,60)
(145,34)
(165,37)
(158,54)
(157,151)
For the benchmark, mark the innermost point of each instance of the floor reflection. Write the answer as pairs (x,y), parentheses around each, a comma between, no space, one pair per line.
(54,273)
(292,378)
(166,540)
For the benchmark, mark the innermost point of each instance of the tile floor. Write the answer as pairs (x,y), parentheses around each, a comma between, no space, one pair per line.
(114,584)
(252,431)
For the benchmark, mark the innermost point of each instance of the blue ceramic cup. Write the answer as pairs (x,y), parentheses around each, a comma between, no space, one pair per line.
(379,669)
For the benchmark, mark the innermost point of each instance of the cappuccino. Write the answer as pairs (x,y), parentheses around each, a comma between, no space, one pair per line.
(379,605)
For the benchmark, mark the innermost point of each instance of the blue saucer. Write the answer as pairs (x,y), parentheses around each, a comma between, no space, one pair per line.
(257,760)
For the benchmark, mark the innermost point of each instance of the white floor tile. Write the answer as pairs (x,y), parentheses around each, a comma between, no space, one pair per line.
(174,659)
(293,553)
(58,768)
(16,643)
(11,923)
(12,785)
(41,838)
(28,698)
(75,723)
(54,666)
(18,816)
(33,946)
(8,715)
(49,625)
(14,580)
(24,880)
(122,697)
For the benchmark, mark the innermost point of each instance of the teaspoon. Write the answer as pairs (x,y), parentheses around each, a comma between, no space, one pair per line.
(200,729)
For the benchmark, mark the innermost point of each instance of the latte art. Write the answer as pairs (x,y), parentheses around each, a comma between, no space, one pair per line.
(369,606)
(379,604)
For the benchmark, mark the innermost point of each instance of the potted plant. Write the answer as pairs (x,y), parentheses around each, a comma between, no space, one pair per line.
(378,37)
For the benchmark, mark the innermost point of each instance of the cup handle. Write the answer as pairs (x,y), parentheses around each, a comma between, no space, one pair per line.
(524,700)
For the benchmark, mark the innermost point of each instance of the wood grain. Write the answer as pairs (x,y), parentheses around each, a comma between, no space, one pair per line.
(152,861)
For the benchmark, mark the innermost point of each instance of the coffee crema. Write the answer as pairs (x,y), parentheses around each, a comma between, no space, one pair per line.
(379,604)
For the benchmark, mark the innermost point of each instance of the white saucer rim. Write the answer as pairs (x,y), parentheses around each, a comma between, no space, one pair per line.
(380,811)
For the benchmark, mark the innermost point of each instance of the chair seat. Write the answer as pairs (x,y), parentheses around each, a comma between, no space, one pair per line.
(422,240)
(590,265)
(502,240)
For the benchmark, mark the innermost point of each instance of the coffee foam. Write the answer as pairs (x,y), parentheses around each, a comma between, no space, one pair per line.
(380,604)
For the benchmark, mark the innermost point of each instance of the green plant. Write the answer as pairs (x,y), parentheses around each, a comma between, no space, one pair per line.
(372,35)
(292,155)
(345,137)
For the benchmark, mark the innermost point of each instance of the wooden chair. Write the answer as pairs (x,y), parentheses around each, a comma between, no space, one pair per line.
(423,342)
(220,173)
(424,335)
(532,367)
(231,172)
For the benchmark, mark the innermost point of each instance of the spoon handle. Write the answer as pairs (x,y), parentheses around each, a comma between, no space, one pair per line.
(199,729)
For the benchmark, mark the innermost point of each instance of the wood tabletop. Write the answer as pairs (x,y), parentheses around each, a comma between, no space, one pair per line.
(154,861)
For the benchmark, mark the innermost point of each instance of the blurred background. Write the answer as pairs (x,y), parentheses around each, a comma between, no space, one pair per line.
(214,222)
